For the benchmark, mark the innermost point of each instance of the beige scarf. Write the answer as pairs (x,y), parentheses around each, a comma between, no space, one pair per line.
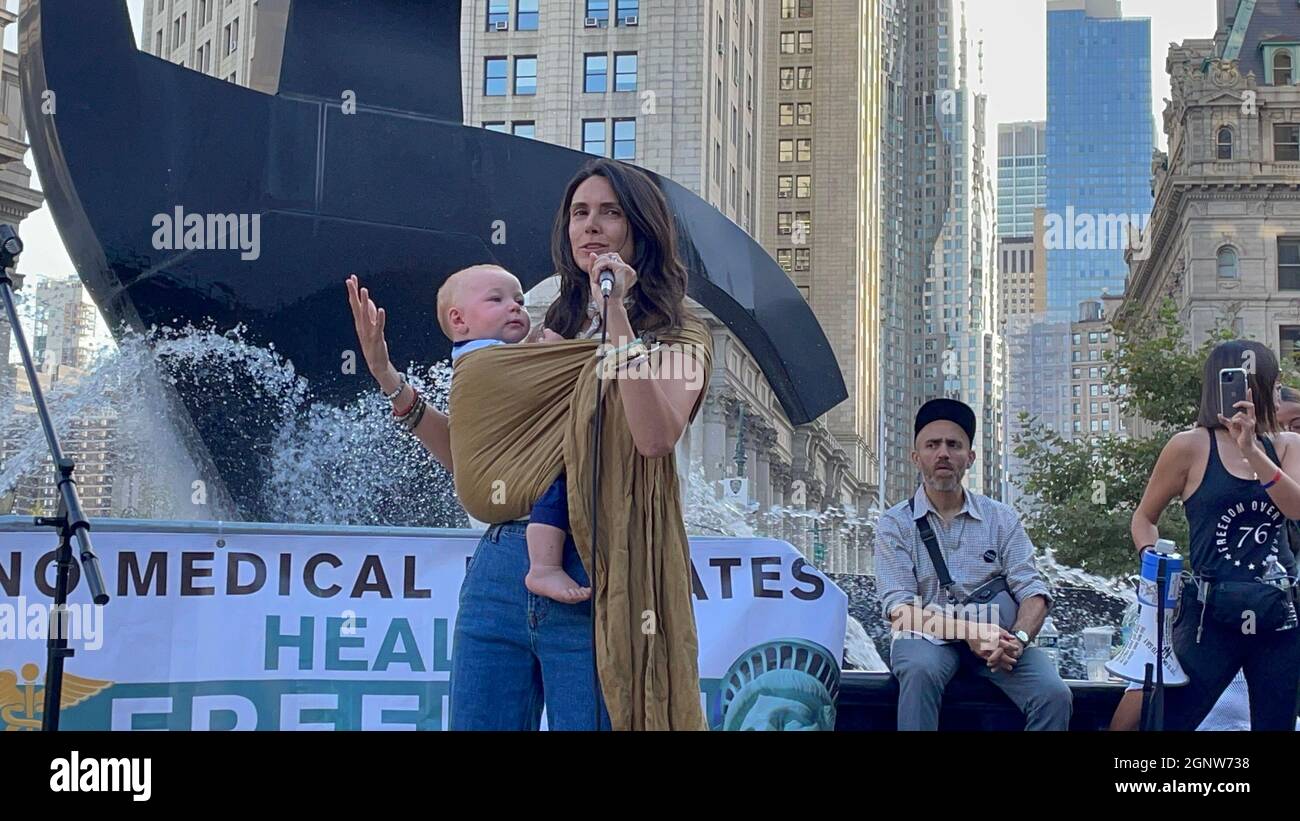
(522,414)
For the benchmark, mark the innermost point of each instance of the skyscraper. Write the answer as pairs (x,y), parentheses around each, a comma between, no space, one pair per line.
(956,340)
(1100,137)
(899,293)
(1022,176)
(820,165)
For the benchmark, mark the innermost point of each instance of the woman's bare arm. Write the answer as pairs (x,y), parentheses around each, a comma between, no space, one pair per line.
(1167,481)
(657,405)
(369,320)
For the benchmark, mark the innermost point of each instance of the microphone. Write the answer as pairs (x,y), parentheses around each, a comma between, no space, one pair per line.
(606,282)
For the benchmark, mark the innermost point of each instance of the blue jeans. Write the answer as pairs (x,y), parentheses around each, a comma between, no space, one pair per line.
(512,651)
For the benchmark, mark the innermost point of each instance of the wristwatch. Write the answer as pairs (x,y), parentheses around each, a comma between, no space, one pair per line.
(1023,636)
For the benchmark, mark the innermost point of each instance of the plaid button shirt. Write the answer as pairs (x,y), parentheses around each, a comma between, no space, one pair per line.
(985,540)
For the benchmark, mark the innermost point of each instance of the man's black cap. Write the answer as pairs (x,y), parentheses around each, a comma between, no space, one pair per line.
(950,410)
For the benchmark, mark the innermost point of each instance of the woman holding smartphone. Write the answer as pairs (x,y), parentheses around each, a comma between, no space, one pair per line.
(1237,476)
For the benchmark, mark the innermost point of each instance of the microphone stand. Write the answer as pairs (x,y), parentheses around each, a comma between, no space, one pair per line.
(70,519)
(1154,719)
(595,504)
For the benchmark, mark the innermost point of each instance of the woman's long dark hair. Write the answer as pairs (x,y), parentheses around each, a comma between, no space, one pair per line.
(657,299)
(1262,378)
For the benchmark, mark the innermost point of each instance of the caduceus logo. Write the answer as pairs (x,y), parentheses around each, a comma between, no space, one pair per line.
(21,705)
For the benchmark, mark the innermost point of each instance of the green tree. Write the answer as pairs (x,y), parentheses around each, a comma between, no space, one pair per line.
(1081,494)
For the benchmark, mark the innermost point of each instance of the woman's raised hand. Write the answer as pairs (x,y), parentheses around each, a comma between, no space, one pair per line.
(369,320)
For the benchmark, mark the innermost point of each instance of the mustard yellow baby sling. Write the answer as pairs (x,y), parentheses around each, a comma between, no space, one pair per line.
(521,414)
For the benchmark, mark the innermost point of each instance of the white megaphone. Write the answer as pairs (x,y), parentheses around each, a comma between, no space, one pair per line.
(1131,661)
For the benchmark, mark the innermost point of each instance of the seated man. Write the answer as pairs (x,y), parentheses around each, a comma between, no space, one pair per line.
(979,540)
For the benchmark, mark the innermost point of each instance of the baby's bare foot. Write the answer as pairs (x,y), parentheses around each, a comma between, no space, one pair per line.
(554,583)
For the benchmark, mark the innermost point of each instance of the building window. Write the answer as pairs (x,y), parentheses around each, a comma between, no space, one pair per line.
(628,12)
(1093,390)
(1105,426)
(158,42)
(735,127)
(803,222)
(785,151)
(625,72)
(787,114)
(805,150)
(1077,339)
(232,37)
(1075,356)
(1286,143)
(1093,425)
(805,8)
(1289,342)
(1224,143)
(525,76)
(803,259)
(783,223)
(525,128)
(805,114)
(498,14)
(1227,263)
(735,189)
(787,9)
(598,10)
(1075,373)
(803,186)
(526,17)
(1076,390)
(784,186)
(805,77)
(496,72)
(594,140)
(805,42)
(787,79)
(596,74)
(787,42)
(784,257)
(717,162)
(495,126)
(624,139)
(1281,68)
(1288,264)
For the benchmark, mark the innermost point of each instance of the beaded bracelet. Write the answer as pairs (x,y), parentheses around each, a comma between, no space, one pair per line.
(401,377)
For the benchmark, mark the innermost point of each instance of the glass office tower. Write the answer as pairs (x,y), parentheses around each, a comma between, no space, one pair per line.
(1100,135)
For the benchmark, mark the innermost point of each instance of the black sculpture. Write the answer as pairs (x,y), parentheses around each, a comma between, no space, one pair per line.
(129,146)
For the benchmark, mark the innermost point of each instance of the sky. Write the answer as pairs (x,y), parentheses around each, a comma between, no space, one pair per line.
(1014,33)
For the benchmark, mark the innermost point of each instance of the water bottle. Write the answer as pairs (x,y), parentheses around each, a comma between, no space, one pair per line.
(1049,639)
(1276,575)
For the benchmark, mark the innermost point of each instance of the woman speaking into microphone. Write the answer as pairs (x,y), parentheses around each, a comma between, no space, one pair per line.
(1237,476)
(523,414)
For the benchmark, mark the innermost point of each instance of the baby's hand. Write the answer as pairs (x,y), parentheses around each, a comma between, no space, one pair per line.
(548,335)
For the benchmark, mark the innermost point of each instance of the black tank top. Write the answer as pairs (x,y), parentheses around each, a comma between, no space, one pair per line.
(1233,526)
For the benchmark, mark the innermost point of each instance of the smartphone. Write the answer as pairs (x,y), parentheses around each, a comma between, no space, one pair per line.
(1232,389)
